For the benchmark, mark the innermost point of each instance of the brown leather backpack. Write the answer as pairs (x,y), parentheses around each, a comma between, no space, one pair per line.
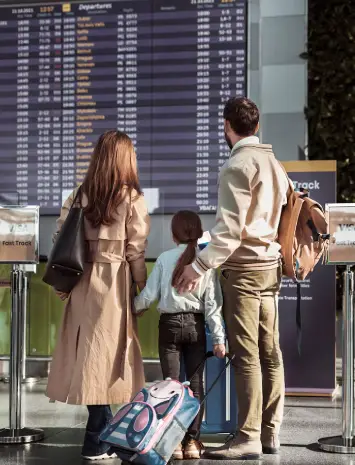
(302,234)
(303,237)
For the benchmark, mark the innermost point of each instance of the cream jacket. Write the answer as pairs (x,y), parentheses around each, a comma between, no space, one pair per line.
(252,191)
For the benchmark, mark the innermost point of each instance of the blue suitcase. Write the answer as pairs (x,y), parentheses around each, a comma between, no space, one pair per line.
(221,403)
(221,410)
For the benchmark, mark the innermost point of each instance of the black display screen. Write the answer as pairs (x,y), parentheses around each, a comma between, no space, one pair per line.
(160,70)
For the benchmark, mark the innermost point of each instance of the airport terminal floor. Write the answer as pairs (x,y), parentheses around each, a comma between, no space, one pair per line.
(306,420)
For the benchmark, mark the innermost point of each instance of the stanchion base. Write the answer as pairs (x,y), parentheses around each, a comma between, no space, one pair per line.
(20,436)
(30,380)
(336,445)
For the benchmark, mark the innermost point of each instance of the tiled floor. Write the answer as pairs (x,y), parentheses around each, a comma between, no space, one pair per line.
(306,420)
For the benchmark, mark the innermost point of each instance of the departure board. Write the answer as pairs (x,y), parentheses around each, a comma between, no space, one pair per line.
(160,70)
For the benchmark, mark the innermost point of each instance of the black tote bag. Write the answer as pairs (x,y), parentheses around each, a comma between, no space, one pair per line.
(66,262)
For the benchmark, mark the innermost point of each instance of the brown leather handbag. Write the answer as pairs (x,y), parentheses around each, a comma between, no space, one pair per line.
(65,265)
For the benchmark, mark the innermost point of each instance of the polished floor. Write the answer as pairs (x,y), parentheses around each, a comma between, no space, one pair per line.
(306,420)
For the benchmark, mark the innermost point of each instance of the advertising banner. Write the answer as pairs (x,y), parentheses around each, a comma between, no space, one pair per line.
(313,370)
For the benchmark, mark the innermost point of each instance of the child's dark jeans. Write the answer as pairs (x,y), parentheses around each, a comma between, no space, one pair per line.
(183,335)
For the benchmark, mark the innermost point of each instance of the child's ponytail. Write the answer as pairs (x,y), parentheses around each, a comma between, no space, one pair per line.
(186,229)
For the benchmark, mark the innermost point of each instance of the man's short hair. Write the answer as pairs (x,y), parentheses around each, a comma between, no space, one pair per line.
(243,116)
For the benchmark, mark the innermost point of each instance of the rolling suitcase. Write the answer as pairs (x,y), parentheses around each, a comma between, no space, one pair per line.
(221,405)
(221,409)
(147,430)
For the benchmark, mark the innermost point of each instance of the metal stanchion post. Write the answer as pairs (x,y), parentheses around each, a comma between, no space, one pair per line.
(25,379)
(16,433)
(24,326)
(344,444)
(5,283)
(15,361)
(348,361)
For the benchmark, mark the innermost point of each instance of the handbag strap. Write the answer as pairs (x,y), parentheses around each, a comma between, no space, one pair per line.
(78,193)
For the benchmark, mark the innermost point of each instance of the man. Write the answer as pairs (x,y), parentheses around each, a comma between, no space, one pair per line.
(252,191)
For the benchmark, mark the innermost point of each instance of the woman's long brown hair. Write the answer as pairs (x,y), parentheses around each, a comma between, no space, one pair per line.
(111,176)
(186,228)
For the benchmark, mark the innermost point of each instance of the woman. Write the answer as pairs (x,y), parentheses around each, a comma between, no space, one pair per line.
(97,360)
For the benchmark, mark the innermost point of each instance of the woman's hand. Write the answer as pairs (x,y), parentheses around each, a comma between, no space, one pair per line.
(141,285)
(219,350)
(62,295)
(140,314)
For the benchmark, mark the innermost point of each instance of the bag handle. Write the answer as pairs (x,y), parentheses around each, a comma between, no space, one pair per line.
(210,354)
(305,192)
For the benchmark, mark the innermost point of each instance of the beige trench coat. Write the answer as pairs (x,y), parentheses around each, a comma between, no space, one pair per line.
(97,359)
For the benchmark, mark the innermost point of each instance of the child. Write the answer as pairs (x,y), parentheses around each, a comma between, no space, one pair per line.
(182,320)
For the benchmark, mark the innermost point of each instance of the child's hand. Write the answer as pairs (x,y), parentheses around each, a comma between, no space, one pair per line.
(219,350)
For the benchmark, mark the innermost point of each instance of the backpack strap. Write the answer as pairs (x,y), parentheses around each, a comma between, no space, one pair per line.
(291,229)
(290,185)
(299,318)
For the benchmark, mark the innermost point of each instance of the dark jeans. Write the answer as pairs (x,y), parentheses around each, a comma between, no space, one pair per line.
(99,418)
(183,334)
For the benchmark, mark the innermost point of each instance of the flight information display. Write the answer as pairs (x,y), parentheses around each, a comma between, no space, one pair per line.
(160,70)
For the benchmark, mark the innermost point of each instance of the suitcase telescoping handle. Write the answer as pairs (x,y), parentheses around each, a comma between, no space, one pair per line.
(209,355)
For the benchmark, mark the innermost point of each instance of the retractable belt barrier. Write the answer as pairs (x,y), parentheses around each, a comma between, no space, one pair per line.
(341,219)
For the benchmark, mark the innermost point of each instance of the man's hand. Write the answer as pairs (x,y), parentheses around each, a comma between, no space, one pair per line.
(219,350)
(188,281)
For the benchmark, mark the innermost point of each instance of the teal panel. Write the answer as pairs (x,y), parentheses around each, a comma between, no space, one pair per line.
(5,312)
(148,329)
(44,316)
(45,312)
